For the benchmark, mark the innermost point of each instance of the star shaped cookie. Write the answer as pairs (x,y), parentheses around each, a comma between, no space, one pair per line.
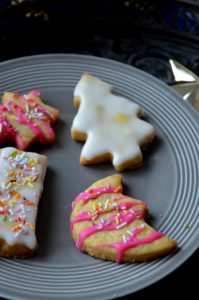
(25,119)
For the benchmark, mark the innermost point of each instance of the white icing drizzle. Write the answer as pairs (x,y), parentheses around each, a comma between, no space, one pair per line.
(111,122)
(21,184)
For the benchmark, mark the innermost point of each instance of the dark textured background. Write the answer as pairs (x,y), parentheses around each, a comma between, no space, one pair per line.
(145,34)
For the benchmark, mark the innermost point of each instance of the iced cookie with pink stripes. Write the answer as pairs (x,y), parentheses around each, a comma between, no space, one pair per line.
(109,225)
(21,184)
(109,124)
(25,119)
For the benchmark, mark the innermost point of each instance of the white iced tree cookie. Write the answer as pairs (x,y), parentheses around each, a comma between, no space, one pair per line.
(110,125)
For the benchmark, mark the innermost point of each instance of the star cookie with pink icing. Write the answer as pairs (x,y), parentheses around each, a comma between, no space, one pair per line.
(25,119)
(110,125)
(109,225)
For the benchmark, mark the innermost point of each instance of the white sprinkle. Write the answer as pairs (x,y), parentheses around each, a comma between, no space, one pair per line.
(1,126)
(106,204)
(8,108)
(132,211)
(8,186)
(121,225)
(17,233)
(142,226)
(124,239)
(100,226)
(129,232)
(3,185)
(26,97)
(95,217)
(102,220)
(27,108)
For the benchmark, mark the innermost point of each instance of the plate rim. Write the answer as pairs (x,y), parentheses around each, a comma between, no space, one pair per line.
(97,59)
(130,69)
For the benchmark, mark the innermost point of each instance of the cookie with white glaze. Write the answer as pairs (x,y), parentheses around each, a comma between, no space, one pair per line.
(109,225)
(110,125)
(25,119)
(21,184)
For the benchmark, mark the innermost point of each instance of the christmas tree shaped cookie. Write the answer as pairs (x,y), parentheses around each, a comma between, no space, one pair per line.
(26,119)
(109,225)
(110,125)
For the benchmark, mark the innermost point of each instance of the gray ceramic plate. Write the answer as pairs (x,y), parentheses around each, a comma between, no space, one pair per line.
(167,181)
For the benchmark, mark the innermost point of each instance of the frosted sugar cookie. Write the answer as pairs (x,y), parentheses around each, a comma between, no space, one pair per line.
(25,119)
(109,225)
(110,125)
(21,184)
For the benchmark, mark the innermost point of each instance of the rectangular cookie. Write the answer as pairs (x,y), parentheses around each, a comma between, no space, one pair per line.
(21,184)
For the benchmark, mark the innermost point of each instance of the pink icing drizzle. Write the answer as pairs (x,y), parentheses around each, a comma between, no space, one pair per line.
(132,242)
(5,125)
(124,218)
(87,216)
(94,193)
(7,130)
(37,131)
(110,224)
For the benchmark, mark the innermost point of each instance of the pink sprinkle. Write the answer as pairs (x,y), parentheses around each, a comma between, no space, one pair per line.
(35,93)
(107,185)
(25,97)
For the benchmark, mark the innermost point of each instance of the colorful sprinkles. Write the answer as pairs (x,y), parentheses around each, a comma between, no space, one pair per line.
(125,213)
(19,171)
(25,119)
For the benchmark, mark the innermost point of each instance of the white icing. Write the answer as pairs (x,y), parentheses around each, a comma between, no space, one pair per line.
(26,235)
(110,122)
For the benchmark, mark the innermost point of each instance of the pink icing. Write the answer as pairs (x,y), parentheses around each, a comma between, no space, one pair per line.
(37,131)
(20,142)
(6,131)
(132,242)
(87,216)
(94,193)
(124,218)
(35,93)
